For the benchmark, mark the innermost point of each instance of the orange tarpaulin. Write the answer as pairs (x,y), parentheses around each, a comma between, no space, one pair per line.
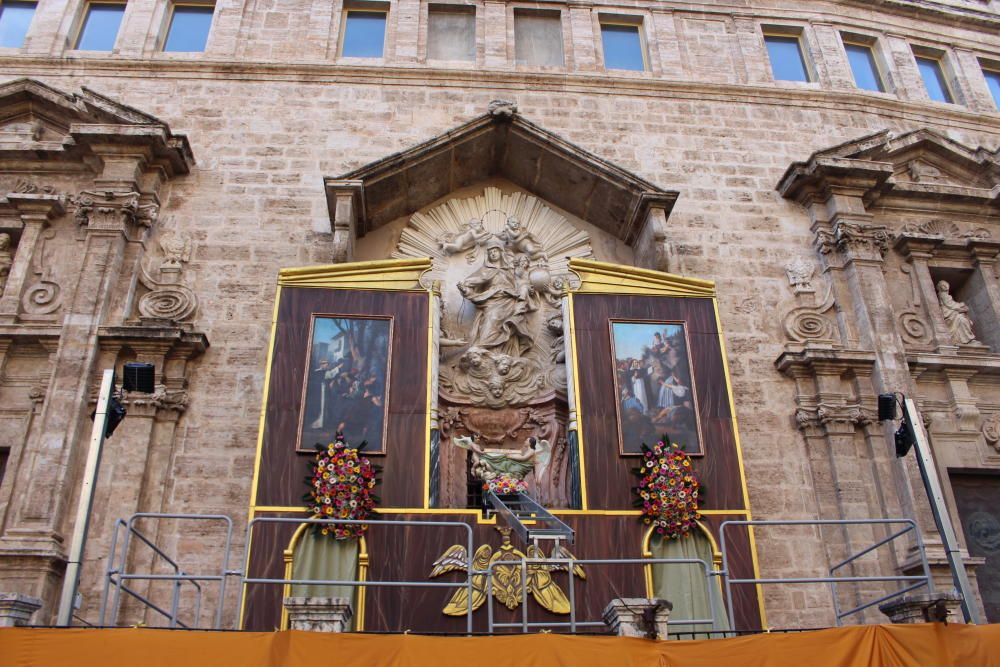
(861,646)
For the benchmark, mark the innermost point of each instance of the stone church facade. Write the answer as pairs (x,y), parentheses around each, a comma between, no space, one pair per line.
(149,201)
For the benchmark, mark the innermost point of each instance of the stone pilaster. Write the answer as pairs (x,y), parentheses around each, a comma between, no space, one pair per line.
(319,614)
(17,609)
(638,617)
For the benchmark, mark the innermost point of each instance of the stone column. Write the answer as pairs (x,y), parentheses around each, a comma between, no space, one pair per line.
(638,617)
(496,38)
(344,199)
(35,212)
(924,608)
(17,609)
(319,614)
(581,21)
(40,512)
(918,251)
(984,292)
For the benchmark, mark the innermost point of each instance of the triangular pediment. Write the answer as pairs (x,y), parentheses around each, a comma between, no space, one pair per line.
(41,122)
(919,164)
(502,143)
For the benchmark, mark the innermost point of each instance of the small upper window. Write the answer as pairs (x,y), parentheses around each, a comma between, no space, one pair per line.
(189,27)
(933,76)
(451,32)
(538,38)
(993,81)
(100,27)
(622,46)
(15,17)
(863,66)
(364,34)
(785,54)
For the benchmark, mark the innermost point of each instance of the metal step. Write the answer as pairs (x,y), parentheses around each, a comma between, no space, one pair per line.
(530,521)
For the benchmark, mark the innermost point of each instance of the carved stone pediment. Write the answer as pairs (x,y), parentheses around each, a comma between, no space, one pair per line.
(46,123)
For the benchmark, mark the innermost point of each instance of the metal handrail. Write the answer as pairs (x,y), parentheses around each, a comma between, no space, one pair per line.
(573,624)
(244,579)
(924,580)
(119,575)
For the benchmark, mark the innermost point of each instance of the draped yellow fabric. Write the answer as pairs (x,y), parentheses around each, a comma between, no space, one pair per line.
(926,645)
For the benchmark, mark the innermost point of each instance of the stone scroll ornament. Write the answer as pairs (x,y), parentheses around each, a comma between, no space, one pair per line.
(502,262)
(341,484)
(668,491)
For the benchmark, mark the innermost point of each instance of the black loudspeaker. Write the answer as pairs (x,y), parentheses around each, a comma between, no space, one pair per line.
(905,439)
(886,407)
(116,413)
(142,378)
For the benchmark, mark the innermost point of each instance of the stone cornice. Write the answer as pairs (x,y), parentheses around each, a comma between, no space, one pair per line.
(911,112)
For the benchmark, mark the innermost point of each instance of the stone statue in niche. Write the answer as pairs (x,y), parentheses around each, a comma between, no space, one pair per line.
(6,260)
(955,315)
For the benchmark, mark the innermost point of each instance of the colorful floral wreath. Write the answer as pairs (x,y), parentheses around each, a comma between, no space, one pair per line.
(668,489)
(505,485)
(341,486)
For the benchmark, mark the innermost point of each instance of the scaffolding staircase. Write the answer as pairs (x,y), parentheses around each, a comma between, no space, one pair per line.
(532,522)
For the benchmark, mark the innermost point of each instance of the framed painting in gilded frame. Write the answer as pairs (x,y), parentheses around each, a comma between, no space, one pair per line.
(346,383)
(654,385)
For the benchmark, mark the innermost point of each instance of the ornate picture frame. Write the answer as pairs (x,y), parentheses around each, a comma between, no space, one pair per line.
(346,381)
(655,391)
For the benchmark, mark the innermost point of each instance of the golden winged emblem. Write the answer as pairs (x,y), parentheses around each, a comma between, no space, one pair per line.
(507,583)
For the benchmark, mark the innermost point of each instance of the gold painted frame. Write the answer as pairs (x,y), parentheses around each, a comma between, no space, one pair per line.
(288,557)
(308,365)
(694,390)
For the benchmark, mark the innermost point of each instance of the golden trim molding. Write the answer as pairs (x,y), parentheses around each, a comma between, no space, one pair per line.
(605,278)
(391,274)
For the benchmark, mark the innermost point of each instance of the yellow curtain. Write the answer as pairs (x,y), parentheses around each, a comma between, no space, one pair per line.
(684,584)
(320,556)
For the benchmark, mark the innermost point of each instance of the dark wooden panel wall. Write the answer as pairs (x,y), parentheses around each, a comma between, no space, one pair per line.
(609,475)
(282,469)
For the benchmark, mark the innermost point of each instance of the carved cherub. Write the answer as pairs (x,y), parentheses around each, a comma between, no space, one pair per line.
(519,239)
(475,234)
(800,272)
(176,248)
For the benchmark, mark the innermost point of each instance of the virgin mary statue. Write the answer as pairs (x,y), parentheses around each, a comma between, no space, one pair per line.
(501,322)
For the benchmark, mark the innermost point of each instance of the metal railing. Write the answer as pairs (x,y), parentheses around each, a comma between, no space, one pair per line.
(470,570)
(920,580)
(118,576)
(573,624)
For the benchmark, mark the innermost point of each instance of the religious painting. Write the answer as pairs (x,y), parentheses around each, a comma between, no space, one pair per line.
(654,386)
(346,382)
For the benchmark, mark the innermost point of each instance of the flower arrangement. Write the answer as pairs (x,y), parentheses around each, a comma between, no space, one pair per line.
(505,485)
(668,489)
(341,486)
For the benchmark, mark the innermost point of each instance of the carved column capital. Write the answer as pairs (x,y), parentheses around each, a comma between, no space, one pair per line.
(107,211)
(858,241)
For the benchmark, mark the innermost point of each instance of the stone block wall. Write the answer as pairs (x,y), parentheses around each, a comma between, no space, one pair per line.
(270,110)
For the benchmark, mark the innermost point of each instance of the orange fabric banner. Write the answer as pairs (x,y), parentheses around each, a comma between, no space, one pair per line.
(858,646)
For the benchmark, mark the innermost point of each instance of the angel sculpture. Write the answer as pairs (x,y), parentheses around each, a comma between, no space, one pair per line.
(507,583)
(488,464)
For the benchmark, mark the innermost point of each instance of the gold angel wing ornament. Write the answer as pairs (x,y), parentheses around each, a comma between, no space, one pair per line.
(542,587)
(456,558)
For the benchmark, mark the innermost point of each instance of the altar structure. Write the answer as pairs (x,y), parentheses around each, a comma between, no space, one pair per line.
(508,280)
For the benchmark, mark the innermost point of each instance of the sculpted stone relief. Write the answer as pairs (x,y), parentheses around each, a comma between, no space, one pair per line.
(6,260)
(501,329)
(501,261)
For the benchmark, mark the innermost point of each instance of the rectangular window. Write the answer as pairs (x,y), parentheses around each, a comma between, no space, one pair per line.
(933,76)
(100,27)
(189,27)
(451,32)
(538,38)
(863,66)
(15,18)
(364,34)
(622,46)
(785,54)
(993,81)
